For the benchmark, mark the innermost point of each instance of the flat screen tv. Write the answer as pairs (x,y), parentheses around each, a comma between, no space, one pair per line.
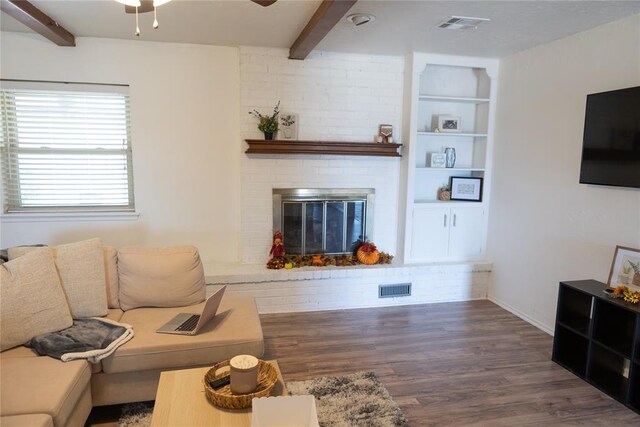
(611,143)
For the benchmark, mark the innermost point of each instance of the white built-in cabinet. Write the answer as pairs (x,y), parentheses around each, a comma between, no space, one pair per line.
(442,85)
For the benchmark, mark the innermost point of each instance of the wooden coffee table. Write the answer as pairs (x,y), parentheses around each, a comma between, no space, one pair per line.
(181,401)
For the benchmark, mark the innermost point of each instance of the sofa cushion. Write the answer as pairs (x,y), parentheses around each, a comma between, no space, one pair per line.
(58,386)
(160,277)
(235,330)
(20,351)
(32,301)
(81,269)
(111,276)
(30,420)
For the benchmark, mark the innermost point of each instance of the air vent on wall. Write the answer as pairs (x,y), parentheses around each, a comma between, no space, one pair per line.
(395,290)
(461,23)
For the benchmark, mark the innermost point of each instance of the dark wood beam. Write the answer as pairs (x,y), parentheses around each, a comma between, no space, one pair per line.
(323,20)
(38,21)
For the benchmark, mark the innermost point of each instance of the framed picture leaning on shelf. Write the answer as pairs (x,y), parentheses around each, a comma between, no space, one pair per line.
(449,124)
(468,189)
(625,268)
(288,126)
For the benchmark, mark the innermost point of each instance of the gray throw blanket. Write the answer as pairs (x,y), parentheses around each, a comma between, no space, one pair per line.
(92,339)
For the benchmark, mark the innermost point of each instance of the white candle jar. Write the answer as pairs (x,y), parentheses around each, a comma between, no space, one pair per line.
(244,374)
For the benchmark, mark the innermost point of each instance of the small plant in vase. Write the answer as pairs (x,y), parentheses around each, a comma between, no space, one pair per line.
(268,124)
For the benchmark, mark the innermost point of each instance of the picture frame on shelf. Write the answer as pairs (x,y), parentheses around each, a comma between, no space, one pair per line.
(467,189)
(625,268)
(448,123)
(385,134)
(437,160)
(288,126)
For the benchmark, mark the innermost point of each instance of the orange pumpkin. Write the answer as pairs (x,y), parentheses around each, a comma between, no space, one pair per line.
(368,254)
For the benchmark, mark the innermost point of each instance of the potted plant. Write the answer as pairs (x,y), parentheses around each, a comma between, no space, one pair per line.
(268,124)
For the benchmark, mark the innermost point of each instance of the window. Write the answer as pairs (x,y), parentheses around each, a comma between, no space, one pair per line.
(65,150)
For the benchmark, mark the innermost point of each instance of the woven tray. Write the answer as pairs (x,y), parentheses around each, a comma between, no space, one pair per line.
(222,397)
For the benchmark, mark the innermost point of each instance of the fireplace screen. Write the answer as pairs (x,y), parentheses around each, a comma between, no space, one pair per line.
(321,221)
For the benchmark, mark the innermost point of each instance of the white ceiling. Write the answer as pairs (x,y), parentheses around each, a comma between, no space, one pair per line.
(401,26)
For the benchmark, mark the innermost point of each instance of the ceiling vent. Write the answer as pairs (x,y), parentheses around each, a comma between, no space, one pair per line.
(358,19)
(461,23)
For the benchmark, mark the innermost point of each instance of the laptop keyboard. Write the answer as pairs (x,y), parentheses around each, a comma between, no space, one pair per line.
(189,324)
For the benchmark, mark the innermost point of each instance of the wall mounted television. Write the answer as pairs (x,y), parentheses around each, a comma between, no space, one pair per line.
(611,142)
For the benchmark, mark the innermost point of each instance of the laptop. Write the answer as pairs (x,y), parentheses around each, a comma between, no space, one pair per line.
(190,323)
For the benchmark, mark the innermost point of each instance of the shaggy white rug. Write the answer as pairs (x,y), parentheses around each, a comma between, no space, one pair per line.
(348,401)
(353,400)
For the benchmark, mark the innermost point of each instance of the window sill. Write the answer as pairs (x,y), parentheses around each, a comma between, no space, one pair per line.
(69,216)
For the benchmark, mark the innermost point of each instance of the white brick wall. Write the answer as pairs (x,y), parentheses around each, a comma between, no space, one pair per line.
(339,97)
(330,288)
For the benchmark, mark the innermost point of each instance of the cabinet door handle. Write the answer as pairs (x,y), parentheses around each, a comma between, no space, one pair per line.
(454,220)
(445,220)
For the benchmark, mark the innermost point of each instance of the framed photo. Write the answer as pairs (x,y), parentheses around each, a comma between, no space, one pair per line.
(625,268)
(438,160)
(449,124)
(468,189)
(385,134)
(288,126)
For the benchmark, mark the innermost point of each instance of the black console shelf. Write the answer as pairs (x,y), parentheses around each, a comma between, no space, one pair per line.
(598,339)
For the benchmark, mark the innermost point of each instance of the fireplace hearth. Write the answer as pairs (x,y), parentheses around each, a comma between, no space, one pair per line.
(323,221)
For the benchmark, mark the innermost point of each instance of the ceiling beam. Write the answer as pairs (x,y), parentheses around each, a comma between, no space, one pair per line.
(328,14)
(38,21)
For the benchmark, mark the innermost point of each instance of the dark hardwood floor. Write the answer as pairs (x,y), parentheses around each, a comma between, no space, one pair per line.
(466,363)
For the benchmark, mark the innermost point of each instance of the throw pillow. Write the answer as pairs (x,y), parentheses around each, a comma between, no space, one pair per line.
(160,277)
(81,269)
(111,276)
(32,301)
(82,274)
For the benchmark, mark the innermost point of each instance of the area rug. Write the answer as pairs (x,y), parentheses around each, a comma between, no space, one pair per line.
(355,400)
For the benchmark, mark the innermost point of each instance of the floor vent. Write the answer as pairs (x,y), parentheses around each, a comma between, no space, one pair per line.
(397,290)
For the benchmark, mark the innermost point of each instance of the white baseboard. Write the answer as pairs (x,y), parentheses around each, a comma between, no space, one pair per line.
(520,314)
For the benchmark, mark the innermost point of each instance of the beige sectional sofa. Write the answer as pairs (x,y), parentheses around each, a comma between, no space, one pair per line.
(43,391)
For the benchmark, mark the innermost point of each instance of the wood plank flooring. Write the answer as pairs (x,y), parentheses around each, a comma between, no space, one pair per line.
(467,363)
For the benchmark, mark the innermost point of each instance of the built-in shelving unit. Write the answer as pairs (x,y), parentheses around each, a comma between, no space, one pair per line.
(261,146)
(465,88)
(598,339)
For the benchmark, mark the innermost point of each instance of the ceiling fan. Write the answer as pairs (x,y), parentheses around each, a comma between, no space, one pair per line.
(148,5)
(143,6)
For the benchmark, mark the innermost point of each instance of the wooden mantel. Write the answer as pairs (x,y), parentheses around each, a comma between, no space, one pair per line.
(261,146)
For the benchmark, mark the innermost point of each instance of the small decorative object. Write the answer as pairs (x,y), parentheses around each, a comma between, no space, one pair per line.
(444,193)
(466,188)
(277,249)
(317,261)
(244,374)
(268,124)
(385,132)
(626,262)
(222,397)
(289,126)
(438,160)
(368,254)
(450,155)
(288,265)
(448,124)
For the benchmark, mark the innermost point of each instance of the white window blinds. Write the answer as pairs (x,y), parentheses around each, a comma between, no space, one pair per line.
(66,150)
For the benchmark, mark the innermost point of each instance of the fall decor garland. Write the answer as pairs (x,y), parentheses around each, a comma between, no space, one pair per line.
(627,294)
(369,254)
